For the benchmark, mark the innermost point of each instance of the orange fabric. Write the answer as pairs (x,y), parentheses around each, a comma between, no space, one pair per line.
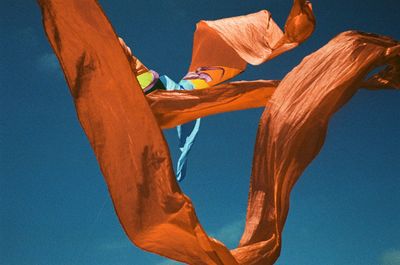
(136,64)
(219,76)
(124,134)
(209,49)
(172,108)
(231,43)
(256,38)
(134,157)
(292,130)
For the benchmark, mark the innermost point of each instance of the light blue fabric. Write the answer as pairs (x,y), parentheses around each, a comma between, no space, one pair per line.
(186,132)
(168,83)
(186,84)
(187,135)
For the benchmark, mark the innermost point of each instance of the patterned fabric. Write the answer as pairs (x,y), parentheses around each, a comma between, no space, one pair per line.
(186,132)
(221,51)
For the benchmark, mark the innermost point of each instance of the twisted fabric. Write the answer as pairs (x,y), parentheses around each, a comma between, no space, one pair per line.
(124,129)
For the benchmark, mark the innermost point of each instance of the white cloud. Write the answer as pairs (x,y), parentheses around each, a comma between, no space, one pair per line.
(48,62)
(391,257)
(230,233)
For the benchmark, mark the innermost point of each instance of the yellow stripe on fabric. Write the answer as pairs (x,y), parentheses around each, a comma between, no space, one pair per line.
(145,79)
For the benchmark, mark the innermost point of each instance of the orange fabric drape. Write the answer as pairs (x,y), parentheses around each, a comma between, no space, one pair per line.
(133,155)
(172,108)
(124,134)
(255,38)
(292,129)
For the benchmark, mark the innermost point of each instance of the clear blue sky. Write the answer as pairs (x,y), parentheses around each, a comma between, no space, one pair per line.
(55,209)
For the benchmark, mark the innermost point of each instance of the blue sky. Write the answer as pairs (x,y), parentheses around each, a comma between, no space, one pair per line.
(55,206)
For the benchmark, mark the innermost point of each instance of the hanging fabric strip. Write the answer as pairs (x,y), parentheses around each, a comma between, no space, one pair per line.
(134,157)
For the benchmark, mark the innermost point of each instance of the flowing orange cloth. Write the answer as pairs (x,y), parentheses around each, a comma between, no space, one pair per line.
(172,108)
(133,155)
(293,127)
(233,42)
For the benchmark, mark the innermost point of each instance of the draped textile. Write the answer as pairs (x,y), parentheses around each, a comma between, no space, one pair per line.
(228,44)
(133,155)
(292,129)
(221,50)
(176,107)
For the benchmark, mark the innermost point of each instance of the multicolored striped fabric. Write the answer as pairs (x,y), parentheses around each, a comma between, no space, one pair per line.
(221,51)
(149,82)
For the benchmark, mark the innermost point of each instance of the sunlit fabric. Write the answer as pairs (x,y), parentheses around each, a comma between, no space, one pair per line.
(293,127)
(187,132)
(227,45)
(221,50)
(176,107)
(126,137)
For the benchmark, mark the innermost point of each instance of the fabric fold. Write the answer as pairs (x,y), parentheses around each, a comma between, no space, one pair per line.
(124,134)
(222,48)
(172,108)
(292,130)
(133,155)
